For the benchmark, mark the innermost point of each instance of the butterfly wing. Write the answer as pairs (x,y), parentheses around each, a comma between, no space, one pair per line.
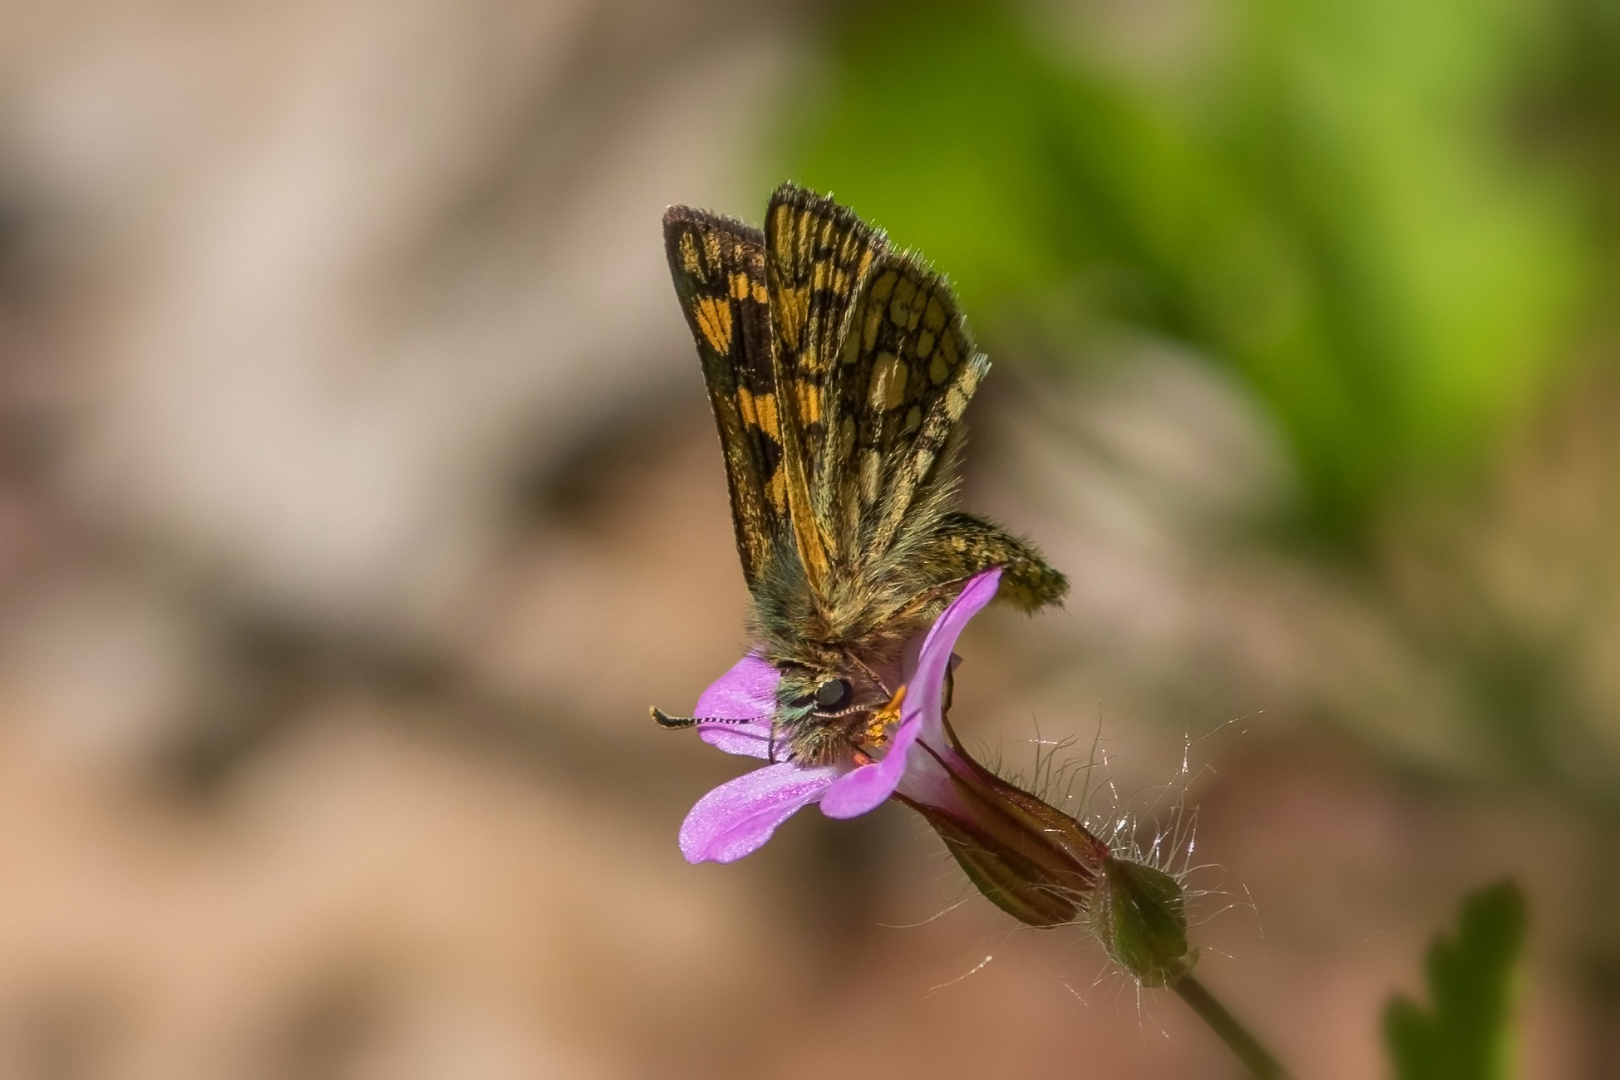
(719,270)
(909,368)
(960,545)
(817,255)
(877,368)
(839,369)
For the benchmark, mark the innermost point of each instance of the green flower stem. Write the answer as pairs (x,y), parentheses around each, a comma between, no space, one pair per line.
(1237,1037)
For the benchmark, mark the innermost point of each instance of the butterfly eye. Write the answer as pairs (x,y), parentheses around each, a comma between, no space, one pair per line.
(833,694)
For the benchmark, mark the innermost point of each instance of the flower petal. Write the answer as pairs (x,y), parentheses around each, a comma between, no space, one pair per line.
(740,815)
(747,692)
(865,789)
(749,739)
(926,696)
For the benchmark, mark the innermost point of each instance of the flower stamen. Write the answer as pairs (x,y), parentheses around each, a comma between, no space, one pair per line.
(885,720)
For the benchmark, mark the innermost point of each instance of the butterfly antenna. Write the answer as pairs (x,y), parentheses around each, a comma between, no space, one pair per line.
(675,723)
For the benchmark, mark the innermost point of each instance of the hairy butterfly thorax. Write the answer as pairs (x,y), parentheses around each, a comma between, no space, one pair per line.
(839,370)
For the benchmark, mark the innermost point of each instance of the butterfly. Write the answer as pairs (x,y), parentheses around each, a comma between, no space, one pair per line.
(839,368)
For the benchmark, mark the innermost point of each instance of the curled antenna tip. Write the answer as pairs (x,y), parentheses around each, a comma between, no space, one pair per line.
(664,720)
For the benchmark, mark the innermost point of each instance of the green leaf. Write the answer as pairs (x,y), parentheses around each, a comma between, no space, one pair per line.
(1465,1034)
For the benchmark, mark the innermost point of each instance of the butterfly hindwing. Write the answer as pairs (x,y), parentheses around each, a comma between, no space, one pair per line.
(719,270)
(876,367)
(963,544)
(908,368)
(817,255)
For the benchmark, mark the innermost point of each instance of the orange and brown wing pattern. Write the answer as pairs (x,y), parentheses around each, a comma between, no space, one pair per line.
(817,256)
(964,544)
(839,370)
(719,270)
(908,368)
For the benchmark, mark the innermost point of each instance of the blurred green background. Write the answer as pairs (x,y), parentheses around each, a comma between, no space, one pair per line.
(1367,212)
(358,494)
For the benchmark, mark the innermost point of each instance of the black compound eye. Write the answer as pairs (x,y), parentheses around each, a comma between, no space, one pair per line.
(833,694)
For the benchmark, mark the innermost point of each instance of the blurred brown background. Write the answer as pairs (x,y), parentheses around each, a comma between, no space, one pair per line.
(358,495)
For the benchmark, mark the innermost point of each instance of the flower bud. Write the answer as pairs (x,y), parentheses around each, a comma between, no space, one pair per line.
(1027,857)
(1044,868)
(1138,913)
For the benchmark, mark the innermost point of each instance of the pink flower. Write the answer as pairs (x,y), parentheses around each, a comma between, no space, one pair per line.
(1030,858)
(737,817)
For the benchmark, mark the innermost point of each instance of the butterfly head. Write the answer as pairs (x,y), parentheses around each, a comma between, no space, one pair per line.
(833,713)
(806,692)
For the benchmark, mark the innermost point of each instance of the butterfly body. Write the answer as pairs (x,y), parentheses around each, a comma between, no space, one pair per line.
(839,369)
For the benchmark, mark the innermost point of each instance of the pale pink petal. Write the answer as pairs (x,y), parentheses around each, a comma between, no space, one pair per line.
(745,693)
(750,739)
(738,816)
(929,779)
(927,693)
(865,789)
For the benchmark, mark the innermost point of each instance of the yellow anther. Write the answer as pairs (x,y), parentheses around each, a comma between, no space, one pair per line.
(877,729)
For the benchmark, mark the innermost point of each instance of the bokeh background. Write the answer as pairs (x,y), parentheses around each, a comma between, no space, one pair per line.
(358,495)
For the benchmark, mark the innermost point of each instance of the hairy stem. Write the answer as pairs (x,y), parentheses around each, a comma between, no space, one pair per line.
(1238,1038)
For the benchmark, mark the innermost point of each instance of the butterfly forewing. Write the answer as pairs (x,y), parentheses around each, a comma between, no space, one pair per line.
(719,270)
